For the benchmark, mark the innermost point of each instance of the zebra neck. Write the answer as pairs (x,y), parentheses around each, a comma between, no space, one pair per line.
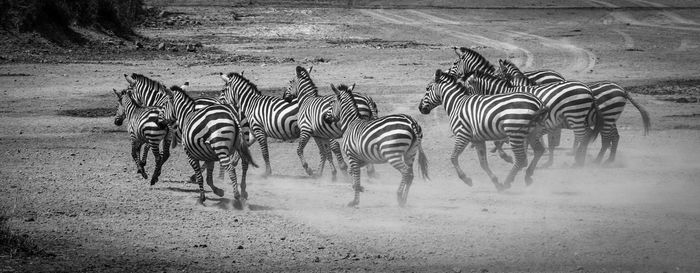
(453,98)
(183,107)
(349,114)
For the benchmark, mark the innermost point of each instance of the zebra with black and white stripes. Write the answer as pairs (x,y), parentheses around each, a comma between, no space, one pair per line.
(611,99)
(209,134)
(395,139)
(312,107)
(516,117)
(570,104)
(268,116)
(144,128)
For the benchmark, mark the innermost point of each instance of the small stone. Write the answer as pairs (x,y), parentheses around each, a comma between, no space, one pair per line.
(240,247)
(161,46)
(317,260)
(456,270)
(138,44)
(30,219)
(580,268)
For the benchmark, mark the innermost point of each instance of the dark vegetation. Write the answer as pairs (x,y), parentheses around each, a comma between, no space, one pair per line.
(14,245)
(54,19)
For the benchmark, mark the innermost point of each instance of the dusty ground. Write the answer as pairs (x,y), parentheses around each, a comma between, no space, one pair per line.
(68,183)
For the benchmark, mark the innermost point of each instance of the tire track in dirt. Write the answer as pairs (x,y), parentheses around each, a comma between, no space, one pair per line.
(448,27)
(679,23)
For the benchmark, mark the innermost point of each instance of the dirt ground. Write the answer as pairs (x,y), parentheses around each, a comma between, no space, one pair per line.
(69,185)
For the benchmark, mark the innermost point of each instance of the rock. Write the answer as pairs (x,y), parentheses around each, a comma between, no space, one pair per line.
(162,14)
(138,45)
(191,48)
(240,247)
(317,260)
(456,270)
(161,46)
(198,44)
(580,268)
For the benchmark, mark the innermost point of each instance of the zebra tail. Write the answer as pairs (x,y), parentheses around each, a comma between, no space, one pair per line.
(642,111)
(245,154)
(598,121)
(423,162)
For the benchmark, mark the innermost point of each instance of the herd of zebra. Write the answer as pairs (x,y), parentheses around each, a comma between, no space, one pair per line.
(484,103)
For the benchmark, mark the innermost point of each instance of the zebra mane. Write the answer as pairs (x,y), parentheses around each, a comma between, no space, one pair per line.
(303,74)
(466,52)
(244,80)
(487,76)
(445,77)
(176,88)
(142,78)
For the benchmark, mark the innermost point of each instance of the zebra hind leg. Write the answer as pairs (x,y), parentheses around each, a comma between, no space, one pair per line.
(498,146)
(483,161)
(198,177)
(238,203)
(159,162)
(538,148)
(335,148)
(135,152)
(615,139)
(261,137)
(458,149)
(553,140)
(407,175)
(519,149)
(303,140)
(209,166)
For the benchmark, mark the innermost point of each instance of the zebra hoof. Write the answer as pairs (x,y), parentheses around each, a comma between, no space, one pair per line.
(154,180)
(238,204)
(193,179)
(201,199)
(143,173)
(546,165)
(466,180)
(218,192)
(245,195)
(507,158)
(353,203)
(528,180)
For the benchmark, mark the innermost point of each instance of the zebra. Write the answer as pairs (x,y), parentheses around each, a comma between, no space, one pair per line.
(268,116)
(570,104)
(478,118)
(210,134)
(144,128)
(469,61)
(393,138)
(610,97)
(311,121)
(200,103)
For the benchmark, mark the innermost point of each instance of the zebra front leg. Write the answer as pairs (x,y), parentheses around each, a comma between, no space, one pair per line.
(483,161)
(198,177)
(303,140)
(583,134)
(135,152)
(159,162)
(498,146)
(519,149)
(406,174)
(324,152)
(538,149)
(261,137)
(335,148)
(354,170)
(209,166)
(460,144)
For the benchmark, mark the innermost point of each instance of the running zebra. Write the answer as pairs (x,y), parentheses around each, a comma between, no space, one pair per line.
(210,134)
(475,118)
(312,108)
(570,104)
(610,97)
(394,139)
(144,128)
(268,116)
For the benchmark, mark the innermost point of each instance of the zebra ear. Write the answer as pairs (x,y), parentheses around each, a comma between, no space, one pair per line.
(300,72)
(310,68)
(456,52)
(335,90)
(352,87)
(116,92)
(128,79)
(463,50)
(224,77)
(242,71)
(185,86)
(438,73)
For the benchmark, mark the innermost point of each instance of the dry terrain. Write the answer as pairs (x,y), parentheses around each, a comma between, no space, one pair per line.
(70,187)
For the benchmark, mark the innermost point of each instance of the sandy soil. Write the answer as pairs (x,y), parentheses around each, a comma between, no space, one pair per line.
(69,184)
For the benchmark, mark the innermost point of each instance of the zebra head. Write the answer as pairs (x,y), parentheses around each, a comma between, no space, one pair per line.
(469,61)
(483,83)
(166,108)
(343,106)
(433,92)
(512,74)
(121,110)
(299,84)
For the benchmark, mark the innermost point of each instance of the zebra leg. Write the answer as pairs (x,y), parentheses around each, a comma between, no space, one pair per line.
(371,172)
(303,140)
(483,161)
(209,166)
(583,133)
(519,149)
(553,140)
(262,140)
(354,170)
(244,173)
(460,144)
(135,152)
(230,167)
(166,147)
(222,171)
(605,139)
(407,174)
(498,146)
(159,162)
(615,139)
(198,177)
(538,148)
(335,148)
(324,152)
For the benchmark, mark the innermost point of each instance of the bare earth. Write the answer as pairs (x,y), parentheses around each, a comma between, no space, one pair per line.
(69,184)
